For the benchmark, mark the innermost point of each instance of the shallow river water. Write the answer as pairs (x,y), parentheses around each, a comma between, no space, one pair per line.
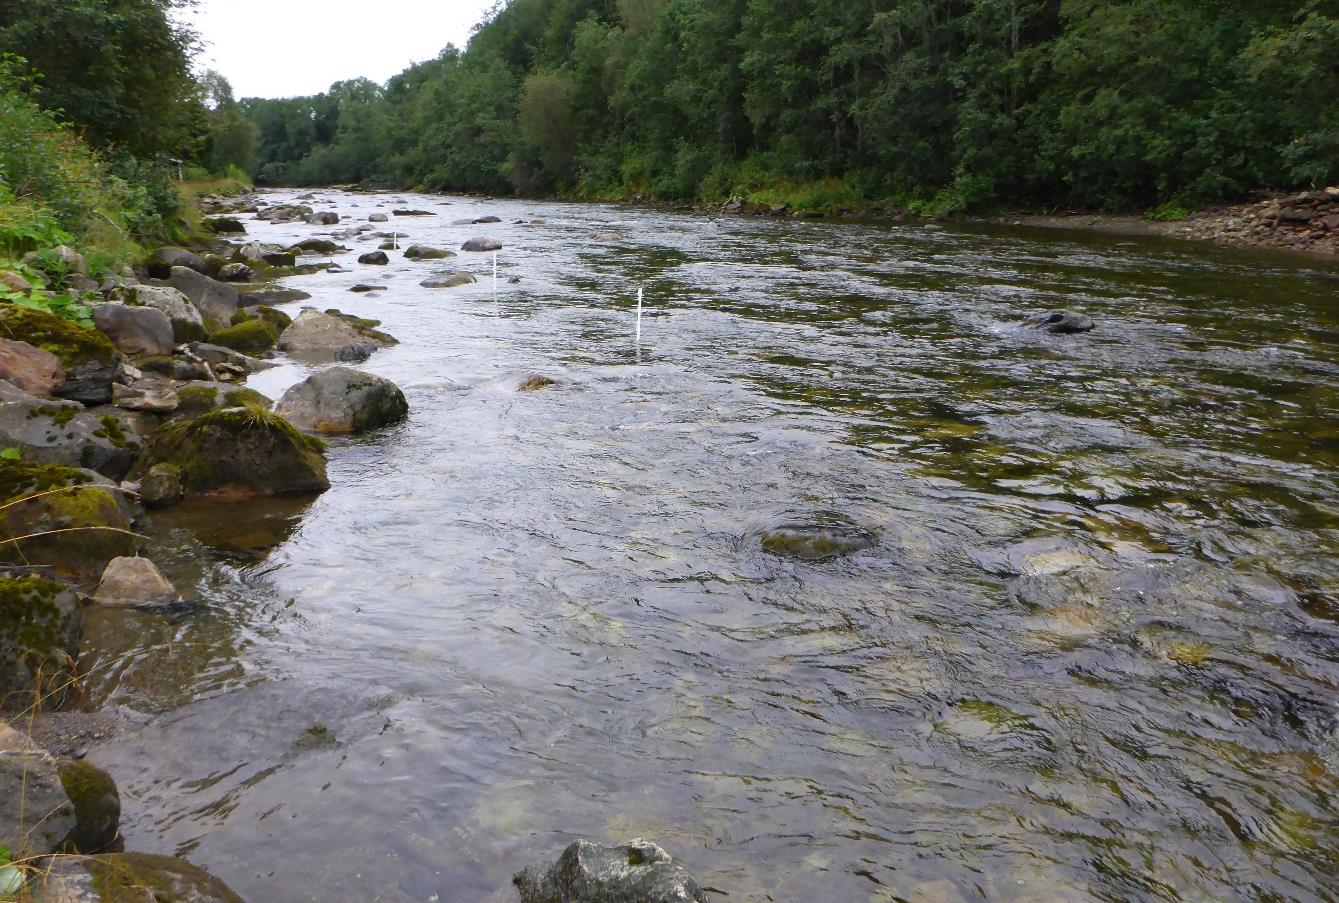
(1089,654)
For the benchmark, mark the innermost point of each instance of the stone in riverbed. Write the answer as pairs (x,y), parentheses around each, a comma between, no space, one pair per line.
(484,220)
(448,280)
(823,539)
(128,878)
(135,330)
(342,400)
(97,807)
(378,218)
(634,872)
(92,515)
(362,288)
(36,814)
(318,246)
(161,486)
(128,582)
(225,225)
(423,252)
(413,213)
(187,323)
(33,370)
(270,295)
(1062,322)
(241,452)
(374,258)
(40,627)
(482,244)
(201,397)
(46,431)
(215,300)
(90,360)
(333,336)
(248,337)
(236,272)
(161,262)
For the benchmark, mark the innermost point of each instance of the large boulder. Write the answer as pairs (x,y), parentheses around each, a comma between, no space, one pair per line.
(40,626)
(249,336)
(128,878)
(30,369)
(161,262)
(36,814)
(187,324)
(62,518)
(241,452)
(46,431)
(215,300)
(225,225)
(634,872)
(90,360)
(342,400)
(135,330)
(97,806)
(134,581)
(482,244)
(333,336)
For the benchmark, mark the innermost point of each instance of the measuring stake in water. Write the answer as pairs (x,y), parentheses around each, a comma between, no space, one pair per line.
(495,273)
(639,315)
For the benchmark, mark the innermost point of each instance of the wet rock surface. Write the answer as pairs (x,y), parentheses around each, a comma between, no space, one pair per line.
(342,400)
(634,872)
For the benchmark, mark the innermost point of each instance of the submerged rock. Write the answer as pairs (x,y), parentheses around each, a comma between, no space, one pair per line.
(134,581)
(482,244)
(342,400)
(88,357)
(36,814)
(333,336)
(634,872)
(40,626)
(823,539)
(241,452)
(1062,322)
(448,280)
(30,369)
(129,878)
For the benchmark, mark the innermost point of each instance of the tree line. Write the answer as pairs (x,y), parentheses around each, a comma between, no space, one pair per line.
(946,104)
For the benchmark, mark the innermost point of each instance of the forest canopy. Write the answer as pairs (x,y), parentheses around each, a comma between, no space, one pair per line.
(1111,104)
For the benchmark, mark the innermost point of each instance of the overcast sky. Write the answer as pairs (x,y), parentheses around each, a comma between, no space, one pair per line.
(284,48)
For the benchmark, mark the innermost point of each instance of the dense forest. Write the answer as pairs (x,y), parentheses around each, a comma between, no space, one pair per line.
(942,104)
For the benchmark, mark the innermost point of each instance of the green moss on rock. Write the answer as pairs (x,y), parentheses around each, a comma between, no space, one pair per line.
(80,524)
(136,877)
(97,806)
(249,336)
(67,340)
(38,629)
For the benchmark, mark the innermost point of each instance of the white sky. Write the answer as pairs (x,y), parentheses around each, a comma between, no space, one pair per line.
(286,48)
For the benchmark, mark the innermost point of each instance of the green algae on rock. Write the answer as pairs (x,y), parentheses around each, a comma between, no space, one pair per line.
(241,451)
(89,358)
(130,878)
(40,627)
(97,806)
(249,336)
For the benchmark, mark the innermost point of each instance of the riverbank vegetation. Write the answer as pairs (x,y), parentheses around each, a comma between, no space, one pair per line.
(932,105)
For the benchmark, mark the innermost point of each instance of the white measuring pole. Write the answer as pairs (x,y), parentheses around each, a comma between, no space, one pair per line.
(495,274)
(639,315)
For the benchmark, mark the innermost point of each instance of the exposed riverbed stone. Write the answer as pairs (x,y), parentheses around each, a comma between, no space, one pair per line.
(1062,322)
(36,814)
(269,295)
(161,262)
(448,280)
(249,337)
(46,431)
(318,246)
(81,527)
(135,330)
(236,272)
(482,244)
(333,336)
(128,878)
(634,872)
(160,487)
(239,452)
(40,626)
(362,288)
(374,258)
(378,218)
(201,396)
(31,369)
(187,323)
(133,581)
(90,360)
(225,225)
(97,806)
(342,400)
(215,300)
(423,252)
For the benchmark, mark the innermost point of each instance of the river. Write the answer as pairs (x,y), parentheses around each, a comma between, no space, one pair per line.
(1088,651)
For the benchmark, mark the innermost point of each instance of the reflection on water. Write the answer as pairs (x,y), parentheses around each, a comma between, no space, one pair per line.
(1076,639)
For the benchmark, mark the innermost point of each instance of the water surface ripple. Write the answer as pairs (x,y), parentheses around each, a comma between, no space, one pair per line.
(1085,649)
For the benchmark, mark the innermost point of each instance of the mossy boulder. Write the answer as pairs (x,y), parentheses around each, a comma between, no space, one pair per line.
(240,452)
(316,246)
(97,806)
(130,878)
(276,318)
(423,252)
(89,358)
(83,526)
(342,400)
(634,872)
(333,335)
(62,432)
(161,262)
(225,225)
(40,626)
(250,336)
(202,397)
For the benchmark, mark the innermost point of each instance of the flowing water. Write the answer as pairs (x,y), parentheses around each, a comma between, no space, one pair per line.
(842,586)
